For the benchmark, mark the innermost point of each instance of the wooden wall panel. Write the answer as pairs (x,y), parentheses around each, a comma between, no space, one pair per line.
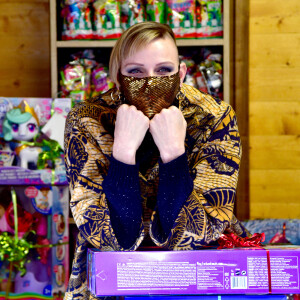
(274,108)
(25,50)
(240,91)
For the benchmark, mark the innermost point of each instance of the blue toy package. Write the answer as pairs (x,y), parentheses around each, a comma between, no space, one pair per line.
(277,231)
(42,222)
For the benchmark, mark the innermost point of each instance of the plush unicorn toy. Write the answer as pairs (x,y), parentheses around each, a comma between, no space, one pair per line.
(21,125)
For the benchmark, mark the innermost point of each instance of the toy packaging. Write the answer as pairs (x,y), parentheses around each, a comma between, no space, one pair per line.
(107,19)
(155,10)
(209,19)
(181,17)
(77,20)
(132,12)
(209,271)
(38,263)
(31,140)
(277,231)
(84,77)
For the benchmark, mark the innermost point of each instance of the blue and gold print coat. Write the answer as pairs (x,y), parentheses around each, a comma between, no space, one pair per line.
(213,149)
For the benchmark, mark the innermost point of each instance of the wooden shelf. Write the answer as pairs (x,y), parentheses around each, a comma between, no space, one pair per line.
(111,43)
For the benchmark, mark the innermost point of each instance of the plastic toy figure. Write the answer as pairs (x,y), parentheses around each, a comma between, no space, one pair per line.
(20,126)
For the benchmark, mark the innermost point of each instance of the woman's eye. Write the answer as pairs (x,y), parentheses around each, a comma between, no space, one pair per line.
(31,127)
(164,70)
(15,127)
(134,71)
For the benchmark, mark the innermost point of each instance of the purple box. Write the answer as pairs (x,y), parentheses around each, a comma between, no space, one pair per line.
(20,176)
(226,271)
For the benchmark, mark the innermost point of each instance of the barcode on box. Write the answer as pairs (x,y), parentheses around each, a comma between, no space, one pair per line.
(238,282)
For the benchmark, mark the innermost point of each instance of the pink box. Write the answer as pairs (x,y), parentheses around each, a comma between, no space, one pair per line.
(226,271)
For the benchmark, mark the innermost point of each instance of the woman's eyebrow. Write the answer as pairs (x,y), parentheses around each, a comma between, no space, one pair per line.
(133,64)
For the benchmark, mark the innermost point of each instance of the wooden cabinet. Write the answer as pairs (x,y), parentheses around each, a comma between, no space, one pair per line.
(60,48)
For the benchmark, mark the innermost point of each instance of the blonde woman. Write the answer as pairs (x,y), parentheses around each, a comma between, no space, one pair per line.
(151,161)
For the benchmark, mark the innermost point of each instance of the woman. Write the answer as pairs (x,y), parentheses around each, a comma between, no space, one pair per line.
(152,147)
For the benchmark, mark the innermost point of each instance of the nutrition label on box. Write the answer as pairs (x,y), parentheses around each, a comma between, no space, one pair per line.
(284,272)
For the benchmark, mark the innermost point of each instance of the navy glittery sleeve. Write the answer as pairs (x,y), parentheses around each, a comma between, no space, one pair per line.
(122,189)
(175,186)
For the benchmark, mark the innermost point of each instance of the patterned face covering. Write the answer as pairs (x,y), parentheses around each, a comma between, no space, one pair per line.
(150,94)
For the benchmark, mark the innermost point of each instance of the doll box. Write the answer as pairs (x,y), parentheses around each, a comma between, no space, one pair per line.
(20,176)
(43,214)
(226,271)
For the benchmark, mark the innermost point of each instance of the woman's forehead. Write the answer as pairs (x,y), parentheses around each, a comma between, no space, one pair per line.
(164,47)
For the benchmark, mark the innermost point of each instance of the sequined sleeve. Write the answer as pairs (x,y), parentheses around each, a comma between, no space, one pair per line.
(214,153)
(87,149)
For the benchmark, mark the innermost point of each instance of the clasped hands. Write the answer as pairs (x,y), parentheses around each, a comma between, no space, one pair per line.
(168,129)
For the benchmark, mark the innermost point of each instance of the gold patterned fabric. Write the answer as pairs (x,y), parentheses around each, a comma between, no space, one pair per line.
(213,149)
(150,94)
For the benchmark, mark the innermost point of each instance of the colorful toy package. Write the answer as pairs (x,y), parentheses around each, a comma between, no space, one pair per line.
(106,19)
(77,20)
(181,17)
(155,10)
(132,12)
(30,151)
(34,256)
(84,77)
(209,18)
(277,231)
(204,71)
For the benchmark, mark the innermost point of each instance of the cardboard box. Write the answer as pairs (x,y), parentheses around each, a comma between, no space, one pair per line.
(20,176)
(226,271)
(276,230)
(45,211)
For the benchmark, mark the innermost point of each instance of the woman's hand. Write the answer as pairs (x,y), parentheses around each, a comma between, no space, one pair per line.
(130,129)
(168,129)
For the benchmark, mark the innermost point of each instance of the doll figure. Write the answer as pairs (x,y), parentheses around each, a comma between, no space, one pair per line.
(20,126)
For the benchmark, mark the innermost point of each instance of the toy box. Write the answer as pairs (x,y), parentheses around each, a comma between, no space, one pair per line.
(283,231)
(31,140)
(42,221)
(226,271)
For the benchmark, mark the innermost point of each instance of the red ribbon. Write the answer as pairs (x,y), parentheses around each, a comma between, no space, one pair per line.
(231,240)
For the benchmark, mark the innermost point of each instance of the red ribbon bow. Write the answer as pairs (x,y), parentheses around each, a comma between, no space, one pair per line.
(231,240)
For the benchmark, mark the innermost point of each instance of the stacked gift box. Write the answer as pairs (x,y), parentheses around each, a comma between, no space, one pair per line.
(34,212)
(269,270)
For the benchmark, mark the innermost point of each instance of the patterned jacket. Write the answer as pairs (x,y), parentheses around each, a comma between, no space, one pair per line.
(213,149)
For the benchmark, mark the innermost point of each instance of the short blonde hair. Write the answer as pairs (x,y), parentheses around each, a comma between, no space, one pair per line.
(134,38)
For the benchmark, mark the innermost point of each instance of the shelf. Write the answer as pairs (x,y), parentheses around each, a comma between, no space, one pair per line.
(111,43)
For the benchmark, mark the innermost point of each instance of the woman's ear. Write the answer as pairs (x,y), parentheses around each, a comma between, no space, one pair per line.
(182,72)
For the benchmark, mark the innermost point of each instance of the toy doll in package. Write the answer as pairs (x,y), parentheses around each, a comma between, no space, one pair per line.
(42,215)
(209,20)
(155,10)
(77,20)
(132,12)
(21,132)
(181,17)
(106,19)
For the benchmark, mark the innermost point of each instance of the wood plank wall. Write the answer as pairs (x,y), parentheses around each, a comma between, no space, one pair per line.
(274,108)
(25,48)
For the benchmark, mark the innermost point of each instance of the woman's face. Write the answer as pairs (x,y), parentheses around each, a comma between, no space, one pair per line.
(159,58)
